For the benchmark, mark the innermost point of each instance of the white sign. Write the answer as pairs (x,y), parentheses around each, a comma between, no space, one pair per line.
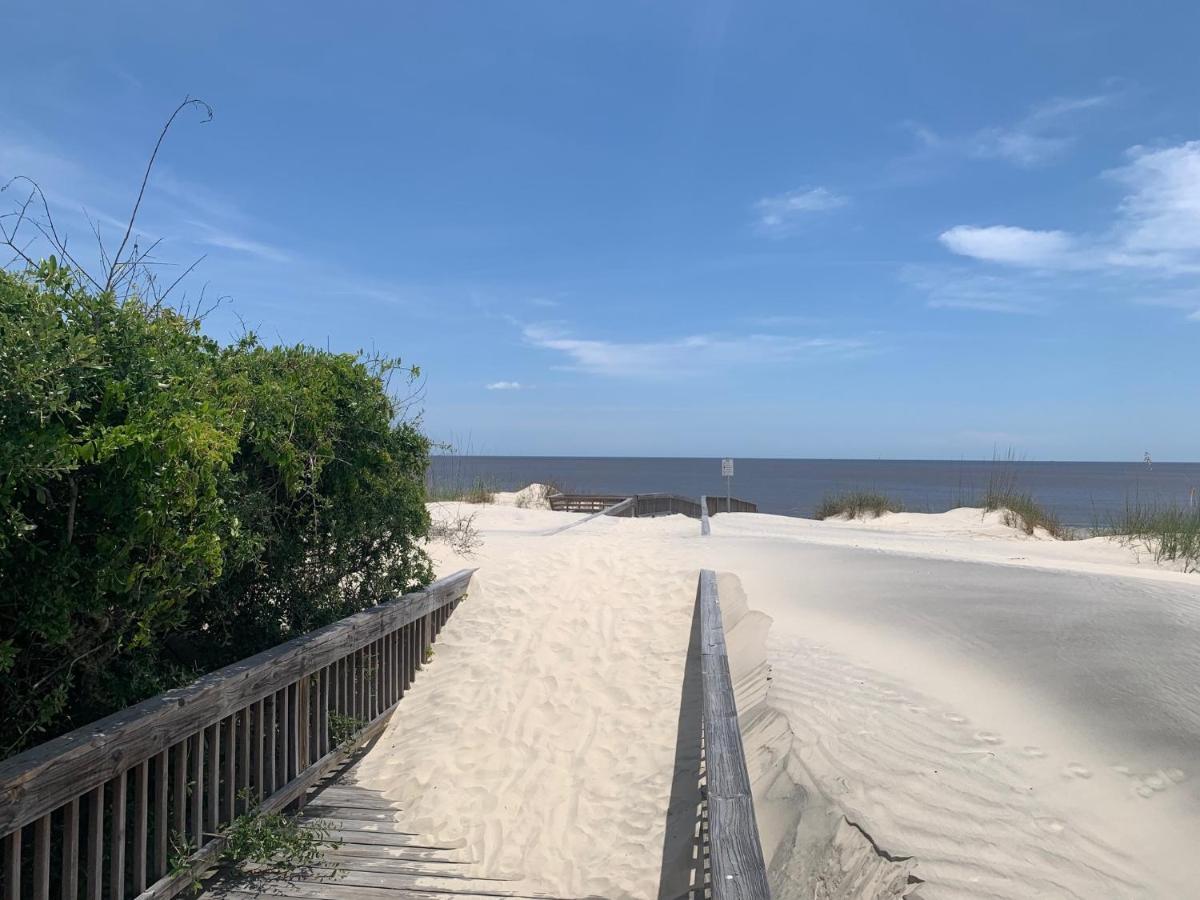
(727,468)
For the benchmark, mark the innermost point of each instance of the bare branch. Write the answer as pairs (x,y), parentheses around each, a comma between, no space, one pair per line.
(116,260)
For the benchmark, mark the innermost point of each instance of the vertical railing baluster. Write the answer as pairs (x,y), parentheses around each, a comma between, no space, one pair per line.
(162,801)
(70,851)
(244,762)
(230,735)
(260,731)
(141,817)
(293,763)
(12,866)
(285,732)
(179,791)
(41,858)
(95,843)
(197,786)
(116,850)
(269,729)
(213,736)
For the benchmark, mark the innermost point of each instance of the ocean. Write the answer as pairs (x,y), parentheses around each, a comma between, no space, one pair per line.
(1081,494)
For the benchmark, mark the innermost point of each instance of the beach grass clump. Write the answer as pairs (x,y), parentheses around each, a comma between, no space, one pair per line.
(480,490)
(1171,532)
(857,505)
(1019,508)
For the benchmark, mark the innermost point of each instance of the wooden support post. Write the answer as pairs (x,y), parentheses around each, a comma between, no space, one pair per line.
(116,849)
(141,821)
(70,851)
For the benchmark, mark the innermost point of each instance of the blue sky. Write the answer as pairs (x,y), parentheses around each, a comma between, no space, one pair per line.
(920,229)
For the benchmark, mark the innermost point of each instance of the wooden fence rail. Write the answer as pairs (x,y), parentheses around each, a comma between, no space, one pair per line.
(134,804)
(737,869)
(645,505)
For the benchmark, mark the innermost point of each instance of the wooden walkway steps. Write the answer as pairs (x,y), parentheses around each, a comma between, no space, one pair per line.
(376,858)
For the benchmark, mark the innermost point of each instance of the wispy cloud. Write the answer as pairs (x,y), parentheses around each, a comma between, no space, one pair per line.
(504,386)
(956,287)
(1045,133)
(688,354)
(780,214)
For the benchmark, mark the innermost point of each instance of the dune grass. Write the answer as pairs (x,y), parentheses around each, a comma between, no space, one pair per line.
(856,505)
(1019,508)
(480,490)
(1171,532)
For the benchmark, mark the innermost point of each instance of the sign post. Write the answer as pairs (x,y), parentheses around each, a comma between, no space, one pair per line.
(727,474)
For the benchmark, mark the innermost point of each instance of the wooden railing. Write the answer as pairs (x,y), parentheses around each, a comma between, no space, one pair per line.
(134,804)
(737,869)
(585,503)
(729,504)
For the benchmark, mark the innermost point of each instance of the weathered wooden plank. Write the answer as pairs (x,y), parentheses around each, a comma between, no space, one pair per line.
(705,528)
(257,746)
(213,793)
(735,850)
(320,810)
(70,851)
(44,777)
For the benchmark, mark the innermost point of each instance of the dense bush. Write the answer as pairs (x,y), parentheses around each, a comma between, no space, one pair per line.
(168,505)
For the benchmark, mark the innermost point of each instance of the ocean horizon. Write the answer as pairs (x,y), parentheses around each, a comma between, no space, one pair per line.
(1081,494)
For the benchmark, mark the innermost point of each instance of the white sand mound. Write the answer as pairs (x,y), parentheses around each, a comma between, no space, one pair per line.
(532,496)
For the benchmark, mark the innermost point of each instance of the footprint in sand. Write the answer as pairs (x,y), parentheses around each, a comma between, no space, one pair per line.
(1075,770)
(955,718)
(987,737)
(1034,752)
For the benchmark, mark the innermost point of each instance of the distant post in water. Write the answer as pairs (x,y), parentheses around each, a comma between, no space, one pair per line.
(727,474)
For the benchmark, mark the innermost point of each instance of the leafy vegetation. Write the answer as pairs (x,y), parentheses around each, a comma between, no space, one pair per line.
(344,729)
(169,505)
(275,839)
(856,505)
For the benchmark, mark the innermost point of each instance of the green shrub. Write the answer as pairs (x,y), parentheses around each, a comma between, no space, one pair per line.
(168,506)
(856,504)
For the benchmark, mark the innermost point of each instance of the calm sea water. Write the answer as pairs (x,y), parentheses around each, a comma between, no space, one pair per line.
(1080,493)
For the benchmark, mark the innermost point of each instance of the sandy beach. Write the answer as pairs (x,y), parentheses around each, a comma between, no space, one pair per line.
(932,705)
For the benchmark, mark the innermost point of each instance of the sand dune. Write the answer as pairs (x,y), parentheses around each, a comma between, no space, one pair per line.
(935,706)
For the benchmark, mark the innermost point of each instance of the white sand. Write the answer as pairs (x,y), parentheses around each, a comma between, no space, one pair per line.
(1018,717)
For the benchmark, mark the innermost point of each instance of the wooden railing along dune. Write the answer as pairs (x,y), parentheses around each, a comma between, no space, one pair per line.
(644,505)
(736,867)
(134,804)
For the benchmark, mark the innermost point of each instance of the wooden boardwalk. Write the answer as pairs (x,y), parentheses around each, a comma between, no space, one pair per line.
(376,858)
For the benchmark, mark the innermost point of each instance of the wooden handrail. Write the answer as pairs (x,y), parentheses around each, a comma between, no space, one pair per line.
(735,850)
(182,765)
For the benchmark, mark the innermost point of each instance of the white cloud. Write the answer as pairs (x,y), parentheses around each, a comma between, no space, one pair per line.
(504,386)
(1009,244)
(1156,227)
(1159,222)
(779,214)
(688,354)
